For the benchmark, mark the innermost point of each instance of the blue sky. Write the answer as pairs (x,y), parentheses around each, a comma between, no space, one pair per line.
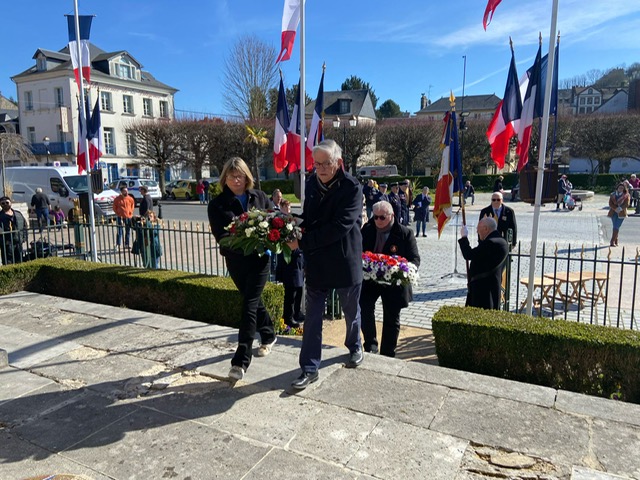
(403,48)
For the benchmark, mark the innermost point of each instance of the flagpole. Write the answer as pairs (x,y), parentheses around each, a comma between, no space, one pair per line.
(302,112)
(542,152)
(87,161)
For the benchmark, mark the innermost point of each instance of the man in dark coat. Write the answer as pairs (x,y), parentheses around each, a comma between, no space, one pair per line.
(13,232)
(41,205)
(504,216)
(487,262)
(382,194)
(146,203)
(370,192)
(332,246)
(394,200)
(382,234)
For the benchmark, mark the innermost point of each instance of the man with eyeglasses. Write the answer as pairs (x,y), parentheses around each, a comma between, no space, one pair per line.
(332,246)
(382,234)
(504,216)
(14,232)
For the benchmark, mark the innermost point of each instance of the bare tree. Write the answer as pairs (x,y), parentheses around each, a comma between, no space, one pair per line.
(226,140)
(250,70)
(193,136)
(356,142)
(11,145)
(158,145)
(408,141)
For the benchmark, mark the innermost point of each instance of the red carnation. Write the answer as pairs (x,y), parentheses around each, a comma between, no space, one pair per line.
(244,217)
(274,235)
(277,222)
(233,228)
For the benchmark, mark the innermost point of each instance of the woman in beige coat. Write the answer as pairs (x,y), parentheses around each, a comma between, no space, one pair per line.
(618,204)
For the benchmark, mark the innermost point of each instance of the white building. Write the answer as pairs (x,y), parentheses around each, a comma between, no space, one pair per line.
(48,101)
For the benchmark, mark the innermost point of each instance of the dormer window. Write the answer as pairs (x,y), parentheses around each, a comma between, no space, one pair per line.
(41,63)
(124,68)
(345,106)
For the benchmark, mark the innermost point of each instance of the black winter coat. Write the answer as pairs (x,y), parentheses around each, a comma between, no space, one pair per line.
(401,241)
(485,270)
(421,208)
(506,221)
(331,242)
(225,206)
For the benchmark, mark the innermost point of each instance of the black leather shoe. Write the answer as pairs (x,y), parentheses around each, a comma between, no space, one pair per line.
(292,323)
(355,359)
(374,349)
(304,380)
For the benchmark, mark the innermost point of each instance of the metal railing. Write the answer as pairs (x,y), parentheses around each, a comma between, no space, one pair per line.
(596,285)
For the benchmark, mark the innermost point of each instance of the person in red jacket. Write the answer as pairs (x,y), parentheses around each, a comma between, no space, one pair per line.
(123,206)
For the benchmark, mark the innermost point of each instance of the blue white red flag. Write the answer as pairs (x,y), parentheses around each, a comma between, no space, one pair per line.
(531,109)
(280,160)
(84,60)
(501,128)
(450,177)
(290,21)
(95,135)
(81,158)
(315,131)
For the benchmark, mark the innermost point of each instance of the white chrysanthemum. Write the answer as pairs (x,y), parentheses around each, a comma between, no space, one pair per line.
(263,224)
(249,231)
(250,222)
(387,276)
(289,227)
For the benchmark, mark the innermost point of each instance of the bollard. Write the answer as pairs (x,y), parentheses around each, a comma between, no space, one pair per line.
(159,210)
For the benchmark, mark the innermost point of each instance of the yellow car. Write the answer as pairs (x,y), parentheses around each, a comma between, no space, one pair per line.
(185,189)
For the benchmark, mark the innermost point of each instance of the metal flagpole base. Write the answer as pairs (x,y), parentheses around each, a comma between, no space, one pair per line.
(455,273)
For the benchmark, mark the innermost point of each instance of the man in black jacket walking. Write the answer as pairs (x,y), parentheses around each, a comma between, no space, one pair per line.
(332,246)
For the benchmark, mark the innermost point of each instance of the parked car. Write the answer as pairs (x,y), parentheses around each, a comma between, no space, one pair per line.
(134,184)
(168,188)
(184,189)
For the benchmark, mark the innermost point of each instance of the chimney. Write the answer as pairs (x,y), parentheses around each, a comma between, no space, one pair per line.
(423,102)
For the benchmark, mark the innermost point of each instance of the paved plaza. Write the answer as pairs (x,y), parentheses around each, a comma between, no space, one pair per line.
(100,392)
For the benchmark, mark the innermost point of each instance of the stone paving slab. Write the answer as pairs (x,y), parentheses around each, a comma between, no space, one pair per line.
(26,348)
(578,473)
(580,404)
(15,383)
(616,447)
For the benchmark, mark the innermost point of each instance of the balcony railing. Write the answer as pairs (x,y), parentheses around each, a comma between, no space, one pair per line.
(55,148)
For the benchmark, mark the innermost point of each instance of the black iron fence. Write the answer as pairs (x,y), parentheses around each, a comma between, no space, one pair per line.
(597,285)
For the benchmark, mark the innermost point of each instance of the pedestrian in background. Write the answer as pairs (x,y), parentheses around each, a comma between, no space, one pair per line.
(206,184)
(469,191)
(123,206)
(41,205)
(58,216)
(276,199)
(618,204)
(200,191)
(146,203)
(564,187)
(382,193)
(248,272)
(370,192)
(395,202)
(497,185)
(634,182)
(421,211)
(406,198)
(14,232)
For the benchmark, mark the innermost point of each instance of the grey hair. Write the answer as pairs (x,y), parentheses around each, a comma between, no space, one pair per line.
(331,148)
(384,206)
(38,190)
(490,223)
(498,194)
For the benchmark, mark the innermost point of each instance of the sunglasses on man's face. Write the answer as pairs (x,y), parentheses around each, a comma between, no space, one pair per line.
(5,203)
(380,217)
(495,199)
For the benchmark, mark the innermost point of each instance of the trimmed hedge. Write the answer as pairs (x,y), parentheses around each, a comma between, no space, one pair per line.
(591,359)
(186,295)
(268,186)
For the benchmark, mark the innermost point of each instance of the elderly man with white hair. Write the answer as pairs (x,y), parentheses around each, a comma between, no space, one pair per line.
(332,246)
(487,262)
(383,234)
(504,216)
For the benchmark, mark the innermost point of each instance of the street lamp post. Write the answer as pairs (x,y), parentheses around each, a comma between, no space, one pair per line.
(353,121)
(46,142)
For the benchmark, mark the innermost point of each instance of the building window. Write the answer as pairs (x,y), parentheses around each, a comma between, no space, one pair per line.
(31,133)
(590,91)
(109,141)
(28,100)
(147,107)
(581,109)
(41,63)
(127,103)
(582,100)
(589,100)
(344,106)
(105,102)
(59,94)
(125,69)
(596,100)
(131,145)
(61,135)
(164,109)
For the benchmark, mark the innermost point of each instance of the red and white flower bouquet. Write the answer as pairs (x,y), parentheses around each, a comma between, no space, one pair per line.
(388,269)
(257,231)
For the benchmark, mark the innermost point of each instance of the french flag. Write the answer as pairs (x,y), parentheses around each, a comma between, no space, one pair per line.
(531,108)
(293,135)
(95,135)
(84,61)
(315,131)
(280,160)
(290,21)
(501,128)
(488,12)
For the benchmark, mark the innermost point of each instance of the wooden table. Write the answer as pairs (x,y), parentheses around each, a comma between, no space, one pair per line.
(578,291)
(545,286)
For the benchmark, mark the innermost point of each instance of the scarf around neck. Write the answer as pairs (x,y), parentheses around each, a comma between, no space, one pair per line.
(382,234)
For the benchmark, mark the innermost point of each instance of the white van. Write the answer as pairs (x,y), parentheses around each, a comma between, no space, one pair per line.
(61,184)
(378,171)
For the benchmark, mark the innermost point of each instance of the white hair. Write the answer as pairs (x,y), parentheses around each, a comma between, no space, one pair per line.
(383,206)
(331,148)
(490,223)
(38,190)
